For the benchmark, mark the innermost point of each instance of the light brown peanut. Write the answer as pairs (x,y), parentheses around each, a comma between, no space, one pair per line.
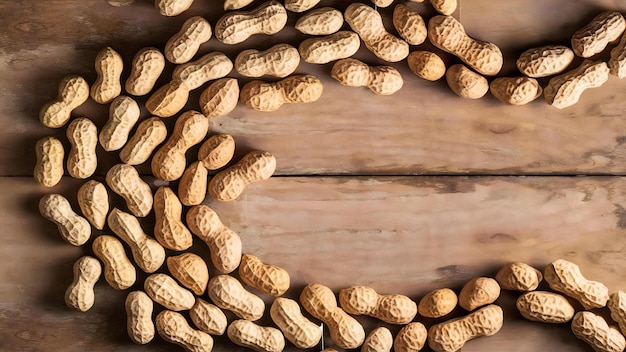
(478,292)
(322,21)
(259,338)
(228,184)
(139,317)
(124,180)
(147,252)
(263,96)
(73,91)
(617,306)
(211,66)
(150,133)
(236,4)
(217,151)
(565,90)
(224,244)
(73,228)
(383,80)
(426,65)
(280,61)
(382,3)
(173,327)
(545,307)
(169,99)
(565,277)
(545,60)
(596,332)
(83,136)
(220,97)
(451,335)
(368,23)
(448,34)
(79,295)
(190,270)
(49,168)
(379,340)
(617,62)
(208,318)
(411,338)
(465,82)
(184,45)
(109,66)
(172,7)
(437,303)
(605,28)
(235,27)
(169,161)
(118,270)
(266,278)
(299,330)
(519,277)
(515,90)
(147,66)
(392,309)
(93,200)
(165,291)
(409,24)
(322,50)
(227,293)
(123,114)
(444,7)
(169,229)
(192,187)
(345,331)
(300,5)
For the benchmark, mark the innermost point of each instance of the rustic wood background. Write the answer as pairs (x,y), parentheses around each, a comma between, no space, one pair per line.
(405,193)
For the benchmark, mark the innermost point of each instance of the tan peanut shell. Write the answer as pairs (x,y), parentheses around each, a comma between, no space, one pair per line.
(235,27)
(321,21)
(172,7)
(79,295)
(123,114)
(545,307)
(192,188)
(465,82)
(184,45)
(409,24)
(165,291)
(379,340)
(515,90)
(124,180)
(565,277)
(169,161)
(392,309)
(139,317)
(382,3)
(382,80)
(149,255)
(596,332)
(93,200)
(208,317)
(545,60)
(228,184)
(280,61)
(258,338)
(220,97)
(426,65)
(448,34)
(605,28)
(190,270)
(227,293)
(345,331)
(73,228)
(266,278)
(118,270)
(368,24)
(565,90)
(169,99)
(519,277)
(169,229)
(217,151)
(478,292)
(437,303)
(300,5)
(444,7)
(224,244)
(617,62)
(209,67)
(173,327)
(617,306)
(451,335)
(236,4)
(263,96)
(83,136)
(49,168)
(109,66)
(147,66)
(73,91)
(149,134)
(411,338)
(322,50)
(299,330)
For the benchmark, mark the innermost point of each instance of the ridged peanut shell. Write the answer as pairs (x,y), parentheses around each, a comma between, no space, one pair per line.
(280,61)
(73,91)
(452,335)
(263,96)
(227,293)
(82,160)
(605,28)
(237,26)
(382,80)
(259,338)
(124,180)
(437,303)
(109,66)
(169,99)
(617,306)
(93,200)
(190,270)
(184,45)
(565,277)
(149,134)
(411,338)
(139,317)
(119,272)
(269,279)
(300,5)
(409,24)
(173,327)
(565,90)
(545,60)
(518,276)
(123,114)
(49,167)
(80,295)
(478,292)
(299,330)
(192,188)
(146,68)
(217,151)
(169,228)
(208,317)
(209,67)
(515,90)
(172,7)
(322,50)
(545,307)
(379,340)
(465,82)
(220,97)
(74,228)
(321,21)
(617,62)
(426,65)
(228,184)
(165,291)
(596,332)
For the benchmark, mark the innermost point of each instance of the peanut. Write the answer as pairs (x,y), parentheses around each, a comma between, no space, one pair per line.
(220,97)
(169,161)
(208,318)
(73,92)
(617,62)
(228,184)
(280,61)
(147,252)
(79,295)
(426,65)
(451,335)
(173,327)
(299,330)
(83,136)
(172,7)
(147,66)
(165,291)
(392,309)
(224,244)
(259,338)
(192,187)
(565,90)
(262,96)
(323,50)
(411,338)
(368,23)
(545,60)
(190,270)
(169,99)
(383,80)
(118,270)
(444,7)
(228,293)
(448,34)
(437,303)
(565,277)
(300,5)
(123,114)
(345,331)
(73,228)
(322,21)
(49,168)
(236,4)
(605,28)
(93,200)
(109,66)
(595,331)
(465,82)
(211,66)
(125,180)
(139,317)
(382,3)
(236,27)
(519,276)
(266,278)
(515,90)
(479,292)
(183,45)
(169,229)
(545,307)
(617,306)
(150,133)
(217,151)
(409,24)
(379,340)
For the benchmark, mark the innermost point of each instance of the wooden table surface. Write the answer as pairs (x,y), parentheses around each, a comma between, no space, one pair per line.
(404,193)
